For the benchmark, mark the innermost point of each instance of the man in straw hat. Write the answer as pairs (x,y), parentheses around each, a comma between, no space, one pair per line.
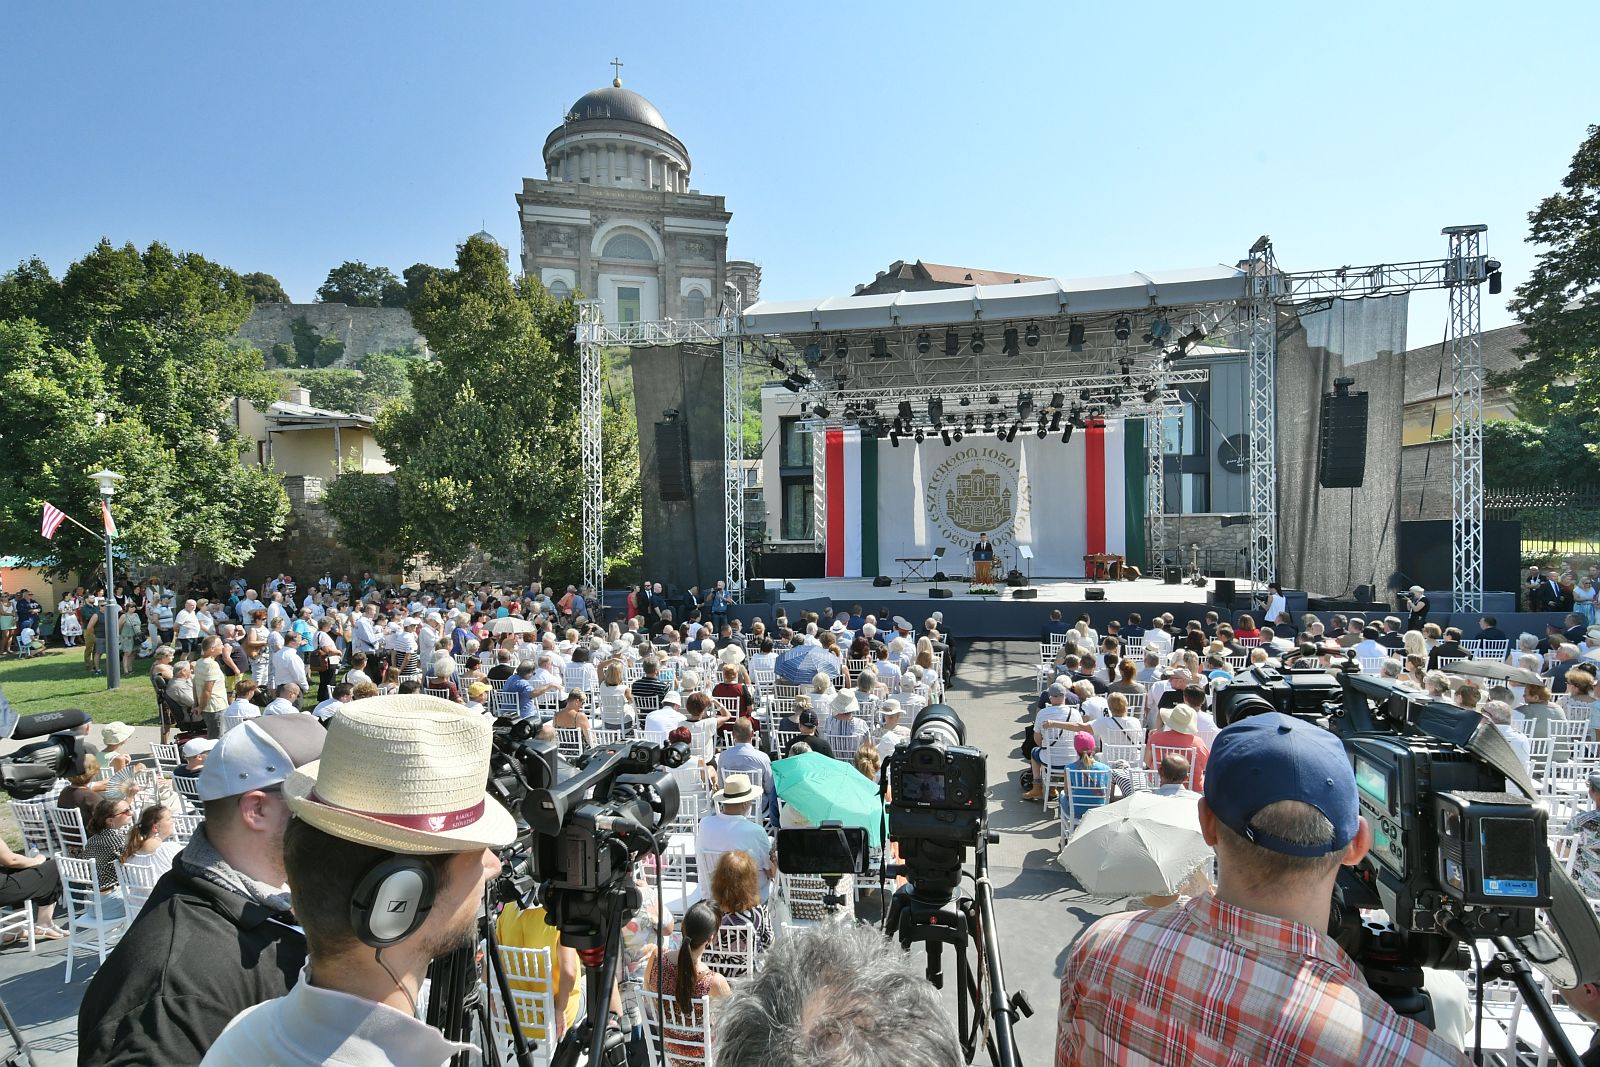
(735,826)
(392,840)
(217,935)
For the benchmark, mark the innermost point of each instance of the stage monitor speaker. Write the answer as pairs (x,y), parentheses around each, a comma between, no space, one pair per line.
(940,576)
(1172,575)
(940,594)
(672,460)
(1094,592)
(1222,593)
(1342,441)
(1026,593)
(755,589)
(1016,578)
(881,581)
(788,587)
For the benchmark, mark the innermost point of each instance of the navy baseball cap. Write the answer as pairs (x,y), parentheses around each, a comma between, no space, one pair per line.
(1263,759)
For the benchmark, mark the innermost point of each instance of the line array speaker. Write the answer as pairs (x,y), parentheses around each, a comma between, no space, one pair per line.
(1342,441)
(672,461)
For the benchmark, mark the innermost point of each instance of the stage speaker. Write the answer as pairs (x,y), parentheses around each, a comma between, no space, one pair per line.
(1026,593)
(1222,593)
(940,576)
(672,460)
(881,581)
(788,587)
(1342,441)
(755,589)
(940,594)
(1173,575)
(1094,592)
(1016,578)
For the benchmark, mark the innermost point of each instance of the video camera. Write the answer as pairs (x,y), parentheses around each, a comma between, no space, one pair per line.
(938,801)
(32,770)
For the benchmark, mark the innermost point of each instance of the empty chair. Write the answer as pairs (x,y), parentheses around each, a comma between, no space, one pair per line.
(532,981)
(1134,754)
(167,757)
(70,832)
(570,741)
(184,826)
(230,719)
(33,819)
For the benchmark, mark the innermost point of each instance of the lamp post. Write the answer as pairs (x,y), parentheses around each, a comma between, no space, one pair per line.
(107,481)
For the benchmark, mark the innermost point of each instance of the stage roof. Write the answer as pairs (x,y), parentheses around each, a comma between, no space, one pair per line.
(989,303)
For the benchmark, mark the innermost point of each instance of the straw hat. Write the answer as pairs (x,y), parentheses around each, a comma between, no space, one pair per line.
(736,789)
(114,733)
(843,703)
(1179,718)
(404,773)
(838,626)
(731,654)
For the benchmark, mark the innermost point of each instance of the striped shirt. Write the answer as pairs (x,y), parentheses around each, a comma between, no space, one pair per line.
(1205,982)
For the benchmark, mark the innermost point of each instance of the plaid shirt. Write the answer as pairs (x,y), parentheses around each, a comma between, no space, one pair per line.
(1204,982)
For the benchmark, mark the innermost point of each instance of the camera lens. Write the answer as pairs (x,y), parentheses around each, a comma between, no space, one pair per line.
(940,722)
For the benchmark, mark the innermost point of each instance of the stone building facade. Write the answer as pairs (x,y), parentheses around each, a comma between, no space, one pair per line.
(614,217)
(361,329)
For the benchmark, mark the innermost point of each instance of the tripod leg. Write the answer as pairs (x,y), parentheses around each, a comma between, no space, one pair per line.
(22,1050)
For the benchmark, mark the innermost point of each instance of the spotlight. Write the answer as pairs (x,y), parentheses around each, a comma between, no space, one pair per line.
(988,422)
(894,436)
(936,412)
(919,436)
(1024,405)
(958,436)
(813,353)
(1151,395)
(965,401)
(994,398)
(952,342)
(872,405)
(1011,434)
(880,348)
(1116,400)
(924,343)
(905,410)
(1262,244)
(946,435)
(1058,401)
(977,342)
(1123,328)
(1031,334)
(821,411)
(1158,331)
(1066,435)
(778,364)
(1495,282)
(1075,334)
(1042,431)
(969,423)
(791,384)
(1055,423)
(1008,344)
(841,347)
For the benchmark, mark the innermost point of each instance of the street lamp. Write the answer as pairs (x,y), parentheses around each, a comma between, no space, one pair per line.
(107,481)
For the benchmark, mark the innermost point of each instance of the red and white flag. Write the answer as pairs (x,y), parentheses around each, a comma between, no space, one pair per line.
(53,518)
(111,524)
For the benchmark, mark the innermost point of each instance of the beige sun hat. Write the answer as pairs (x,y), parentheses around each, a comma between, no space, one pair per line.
(731,654)
(1180,718)
(844,703)
(114,733)
(404,773)
(738,789)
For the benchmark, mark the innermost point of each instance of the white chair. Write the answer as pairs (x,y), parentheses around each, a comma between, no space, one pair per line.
(70,833)
(1133,648)
(1081,783)
(442,694)
(1371,664)
(230,719)
(703,738)
(184,826)
(645,703)
(136,882)
(1134,754)
(88,924)
(569,739)
(691,1031)
(18,919)
(187,787)
(1056,752)
(504,705)
(545,705)
(605,737)
(1446,662)
(33,819)
(532,980)
(732,951)
(678,888)
(730,705)
(167,757)
(615,711)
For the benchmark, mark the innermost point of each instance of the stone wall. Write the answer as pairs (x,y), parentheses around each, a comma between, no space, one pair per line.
(1221,547)
(362,330)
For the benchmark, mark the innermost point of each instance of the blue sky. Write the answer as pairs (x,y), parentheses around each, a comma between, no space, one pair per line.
(1043,138)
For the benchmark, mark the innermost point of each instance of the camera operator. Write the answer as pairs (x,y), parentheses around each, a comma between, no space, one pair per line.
(836,993)
(387,854)
(1246,974)
(216,935)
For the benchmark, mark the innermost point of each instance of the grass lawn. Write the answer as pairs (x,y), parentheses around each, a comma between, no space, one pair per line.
(55,680)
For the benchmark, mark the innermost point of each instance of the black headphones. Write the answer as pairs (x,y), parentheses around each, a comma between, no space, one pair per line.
(392,900)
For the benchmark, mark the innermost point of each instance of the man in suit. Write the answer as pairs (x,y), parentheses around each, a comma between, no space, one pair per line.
(1449,648)
(1548,595)
(1135,627)
(1393,636)
(1489,629)
(1576,629)
(1566,659)
(1055,627)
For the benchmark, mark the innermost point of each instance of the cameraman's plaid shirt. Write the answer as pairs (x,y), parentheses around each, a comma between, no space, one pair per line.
(1204,982)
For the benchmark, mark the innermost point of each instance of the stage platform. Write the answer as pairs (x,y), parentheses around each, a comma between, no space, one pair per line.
(998,615)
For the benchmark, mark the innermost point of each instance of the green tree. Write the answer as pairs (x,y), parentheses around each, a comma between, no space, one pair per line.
(486,451)
(379,378)
(264,289)
(417,276)
(305,339)
(285,355)
(1559,305)
(129,362)
(353,282)
(1517,454)
(371,525)
(330,350)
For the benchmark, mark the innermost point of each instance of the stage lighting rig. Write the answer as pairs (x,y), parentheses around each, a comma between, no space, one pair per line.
(1123,330)
(966,401)
(894,435)
(1031,334)
(777,363)
(813,353)
(841,347)
(1024,405)
(880,348)
(994,398)
(1008,344)
(1158,332)
(1011,432)
(1263,243)
(952,342)
(1152,394)
(821,410)
(946,435)
(1043,433)
(936,412)
(1066,435)
(977,342)
(906,414)
(1055,423)
(988,422)
(969,424)
(919,435)
(1058,401)
(924,343)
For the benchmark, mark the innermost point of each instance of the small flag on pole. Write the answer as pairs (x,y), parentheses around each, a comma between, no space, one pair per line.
(111,524)
(53,518)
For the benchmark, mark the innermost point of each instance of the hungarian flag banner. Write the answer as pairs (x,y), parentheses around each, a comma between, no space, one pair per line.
(53,518)
(111,524)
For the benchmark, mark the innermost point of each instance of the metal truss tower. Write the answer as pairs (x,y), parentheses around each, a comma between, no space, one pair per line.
(591,360)
(1263,319)
(1466,271)
(733,443)
(1157,550)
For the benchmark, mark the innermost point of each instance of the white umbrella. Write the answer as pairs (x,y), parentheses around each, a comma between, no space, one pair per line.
(1146,844)
(511,625)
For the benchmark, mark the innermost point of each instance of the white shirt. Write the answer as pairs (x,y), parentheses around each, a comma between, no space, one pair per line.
(355,676)
(248,608)
(280,706)
(1518,743)
(665,719)
(311,1026)
(1157,641)
(365,636)
(287,666)
(1110,730)
(1275,607)
(276,610)
(244,709)
(188,624)
(724,833)
(327,709)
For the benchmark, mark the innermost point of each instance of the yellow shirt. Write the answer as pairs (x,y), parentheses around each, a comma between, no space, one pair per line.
(208,670)
(516,928)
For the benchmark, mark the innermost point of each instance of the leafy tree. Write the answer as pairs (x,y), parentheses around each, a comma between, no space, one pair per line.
(264,289)
(353,282)
(1559,305)
(1519,454)
(284,355)
(379,378)
(417,275)
(306,340)
(486,451)
(330,350)
(129,362)
(367,509)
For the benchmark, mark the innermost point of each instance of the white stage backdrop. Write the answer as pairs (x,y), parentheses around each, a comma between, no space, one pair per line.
(1062,500)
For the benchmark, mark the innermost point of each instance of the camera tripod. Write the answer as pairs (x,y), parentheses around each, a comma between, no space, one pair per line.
(928,910)
(20,1055)
(456,1004)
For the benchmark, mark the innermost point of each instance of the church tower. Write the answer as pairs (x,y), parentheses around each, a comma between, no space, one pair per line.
(615,218)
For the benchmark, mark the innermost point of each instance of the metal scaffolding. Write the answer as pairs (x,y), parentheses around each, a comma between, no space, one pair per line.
(1263,317)
(733,444)
(1155,492)
(1465,272)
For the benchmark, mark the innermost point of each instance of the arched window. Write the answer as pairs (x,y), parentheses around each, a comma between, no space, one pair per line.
(694,304)
(628,246)
(559,290)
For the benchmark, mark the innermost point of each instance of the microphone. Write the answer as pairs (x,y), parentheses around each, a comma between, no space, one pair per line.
(48,722)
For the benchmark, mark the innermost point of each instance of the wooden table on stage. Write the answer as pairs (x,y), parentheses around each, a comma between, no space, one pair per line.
(983,572)
(1103,566)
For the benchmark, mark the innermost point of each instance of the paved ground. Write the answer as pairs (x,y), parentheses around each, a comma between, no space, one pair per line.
(1038,907)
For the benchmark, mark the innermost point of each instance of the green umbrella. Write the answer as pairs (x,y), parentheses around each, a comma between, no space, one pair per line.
(823,788)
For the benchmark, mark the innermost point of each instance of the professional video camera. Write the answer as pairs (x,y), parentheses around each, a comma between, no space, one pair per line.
(937,809)
(30,771)
(1459,849)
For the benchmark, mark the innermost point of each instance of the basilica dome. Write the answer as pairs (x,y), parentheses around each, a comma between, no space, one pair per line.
(615,102)
(615,138)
